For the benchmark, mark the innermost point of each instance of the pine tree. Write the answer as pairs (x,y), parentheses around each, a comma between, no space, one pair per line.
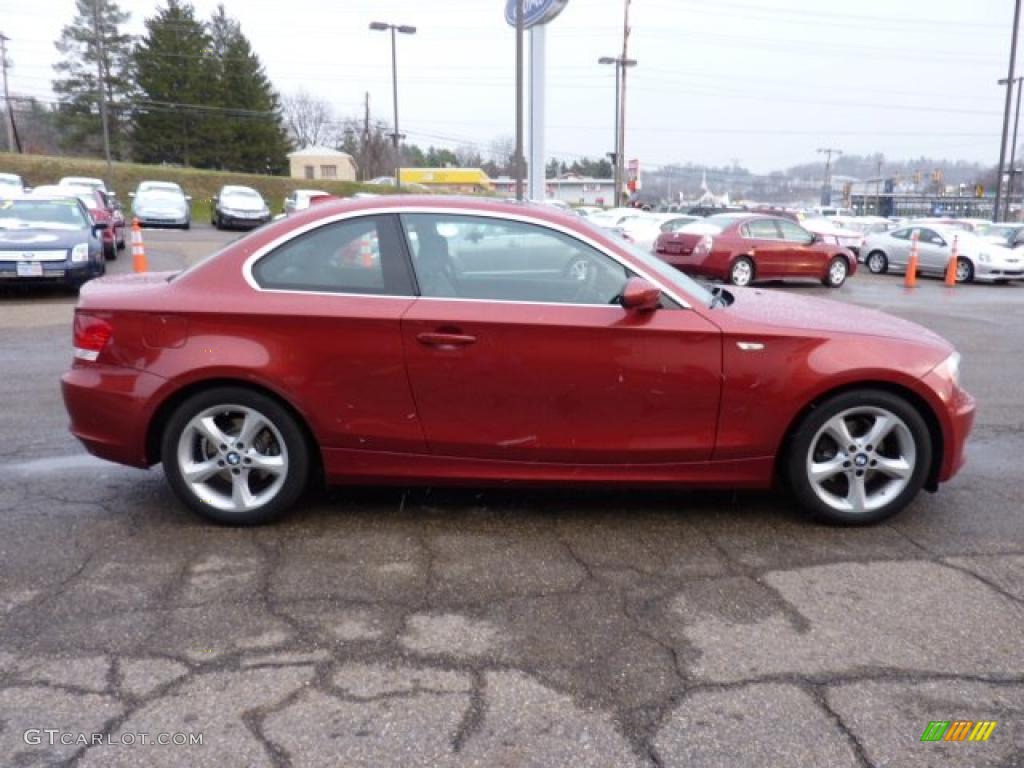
(175,69)
(95,52)
(250,132)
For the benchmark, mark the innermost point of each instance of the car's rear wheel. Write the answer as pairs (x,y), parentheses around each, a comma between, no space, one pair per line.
(742,271)
(235,456)
(878,263)
(964,270)
(859,457)
(838,269)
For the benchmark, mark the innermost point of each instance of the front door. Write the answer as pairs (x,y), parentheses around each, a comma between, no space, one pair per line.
(765,243)
(803,257)
(519,350)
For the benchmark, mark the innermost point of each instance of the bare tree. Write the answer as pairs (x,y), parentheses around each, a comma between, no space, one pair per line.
(310,121)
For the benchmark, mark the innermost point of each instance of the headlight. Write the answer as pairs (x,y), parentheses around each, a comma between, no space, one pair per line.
(80,252)
(950,368)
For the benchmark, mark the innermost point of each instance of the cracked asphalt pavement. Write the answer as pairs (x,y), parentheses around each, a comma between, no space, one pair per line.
(426,627)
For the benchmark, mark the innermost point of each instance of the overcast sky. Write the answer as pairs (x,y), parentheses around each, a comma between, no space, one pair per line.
(760,82)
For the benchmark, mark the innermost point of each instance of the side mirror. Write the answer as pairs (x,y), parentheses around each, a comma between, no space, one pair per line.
(99,226)
(188,198)
(131,194)
(212,199)
(640,296)
(816,238)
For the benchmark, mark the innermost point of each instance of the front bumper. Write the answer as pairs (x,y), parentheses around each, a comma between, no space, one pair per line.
(67,272)
(162,221)
(232,220)
(109,410)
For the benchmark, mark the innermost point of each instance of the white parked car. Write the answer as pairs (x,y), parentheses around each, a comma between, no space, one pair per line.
(832,233)
(84,181)
(11,185)
(978,259)
(301,199)
(1009,235)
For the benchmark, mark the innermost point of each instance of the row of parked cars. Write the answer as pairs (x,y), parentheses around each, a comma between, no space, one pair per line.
(742,246)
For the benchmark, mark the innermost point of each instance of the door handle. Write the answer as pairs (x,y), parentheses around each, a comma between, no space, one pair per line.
(439,339)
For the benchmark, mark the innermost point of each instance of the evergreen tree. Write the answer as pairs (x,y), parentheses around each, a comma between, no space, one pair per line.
(249,132)
(176,70)
(95,54)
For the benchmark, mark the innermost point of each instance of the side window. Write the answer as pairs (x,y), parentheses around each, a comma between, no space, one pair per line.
(475,257)
(932,237)
(762,229)
(361,255)
(901,234)
(792,233)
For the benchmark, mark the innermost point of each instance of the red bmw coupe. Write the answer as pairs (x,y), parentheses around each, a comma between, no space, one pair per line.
(429,340)
(744,247)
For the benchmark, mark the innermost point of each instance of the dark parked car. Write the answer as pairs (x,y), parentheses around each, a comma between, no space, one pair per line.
(239,208)
(744,247)
(49,240)
(445,340)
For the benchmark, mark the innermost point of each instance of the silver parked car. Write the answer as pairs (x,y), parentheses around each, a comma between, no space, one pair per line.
(1010,235)
(237,207)
(300,199)
(161,204)
(978,259)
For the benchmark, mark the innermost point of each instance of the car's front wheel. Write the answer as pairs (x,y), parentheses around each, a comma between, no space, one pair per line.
(964,270)
(878,263)
(742,271)
(838,268)
(859,457)
(235,456)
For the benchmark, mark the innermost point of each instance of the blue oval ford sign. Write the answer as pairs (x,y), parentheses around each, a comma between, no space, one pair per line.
(534,11)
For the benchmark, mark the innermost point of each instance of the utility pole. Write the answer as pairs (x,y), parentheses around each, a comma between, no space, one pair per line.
(826,189)
(1013,149)
(1006,112)
(878,191)
(518,162)
(101,85)
(620,150)
(366,136)
(8,110)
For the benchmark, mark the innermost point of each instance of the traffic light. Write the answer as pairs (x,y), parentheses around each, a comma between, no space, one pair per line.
(979,190)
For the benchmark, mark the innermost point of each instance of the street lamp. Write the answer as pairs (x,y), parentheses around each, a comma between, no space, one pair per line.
(620,66)
(380,26)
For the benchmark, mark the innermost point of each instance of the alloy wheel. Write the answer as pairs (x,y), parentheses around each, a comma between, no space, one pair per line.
(861,459)
(837,272)
(741,273)
(233,458)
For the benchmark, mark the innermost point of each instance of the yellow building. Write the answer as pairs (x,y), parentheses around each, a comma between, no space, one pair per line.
(449,179)
(322,163)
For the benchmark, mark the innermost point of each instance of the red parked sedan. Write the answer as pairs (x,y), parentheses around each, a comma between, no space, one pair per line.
(743,248)
(431,340)
(103,209)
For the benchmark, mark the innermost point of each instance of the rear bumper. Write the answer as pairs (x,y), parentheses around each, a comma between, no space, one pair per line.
(109,410)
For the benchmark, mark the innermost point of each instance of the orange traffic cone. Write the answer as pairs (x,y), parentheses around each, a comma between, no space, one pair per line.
(910,280)
(954,256)
(139,263)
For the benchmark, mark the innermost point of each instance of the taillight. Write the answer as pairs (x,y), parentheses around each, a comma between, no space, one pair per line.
(91,334)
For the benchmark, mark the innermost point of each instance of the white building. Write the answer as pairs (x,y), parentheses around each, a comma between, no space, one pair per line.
(575,190)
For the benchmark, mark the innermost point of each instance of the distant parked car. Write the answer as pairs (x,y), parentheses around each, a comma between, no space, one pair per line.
(1009,235)
(301,199)
(49,240)
(978,259)
(831,232)
(161,204)
(102,208)
(11,185)
(239,208)
(84,181)
(743,247)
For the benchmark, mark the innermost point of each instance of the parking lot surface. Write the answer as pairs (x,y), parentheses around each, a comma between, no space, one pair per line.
(425,627)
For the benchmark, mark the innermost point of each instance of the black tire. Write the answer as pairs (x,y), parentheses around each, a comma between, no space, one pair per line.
(831,279)
(877,263)
(295,452)
(188,225)
(964,270)
(738,266)
(796,469)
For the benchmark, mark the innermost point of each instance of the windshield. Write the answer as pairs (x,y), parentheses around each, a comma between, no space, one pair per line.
(11,181)
(160,194)
(662,270)
(153,186)
(1001,234)
(242,192)
(55,214)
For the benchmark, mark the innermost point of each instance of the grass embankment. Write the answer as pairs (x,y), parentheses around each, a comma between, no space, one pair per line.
(201,185)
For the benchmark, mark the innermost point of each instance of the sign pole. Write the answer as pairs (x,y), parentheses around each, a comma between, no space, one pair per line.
(518,162)
(537,171)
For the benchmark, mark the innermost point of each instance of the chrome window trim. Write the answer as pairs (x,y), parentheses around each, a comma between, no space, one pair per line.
(251,260)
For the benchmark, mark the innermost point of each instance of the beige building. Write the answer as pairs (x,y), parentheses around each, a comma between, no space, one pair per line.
(322,163)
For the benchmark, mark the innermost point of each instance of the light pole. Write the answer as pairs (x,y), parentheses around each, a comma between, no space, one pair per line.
(620,63)
(380,26)
(826,189)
